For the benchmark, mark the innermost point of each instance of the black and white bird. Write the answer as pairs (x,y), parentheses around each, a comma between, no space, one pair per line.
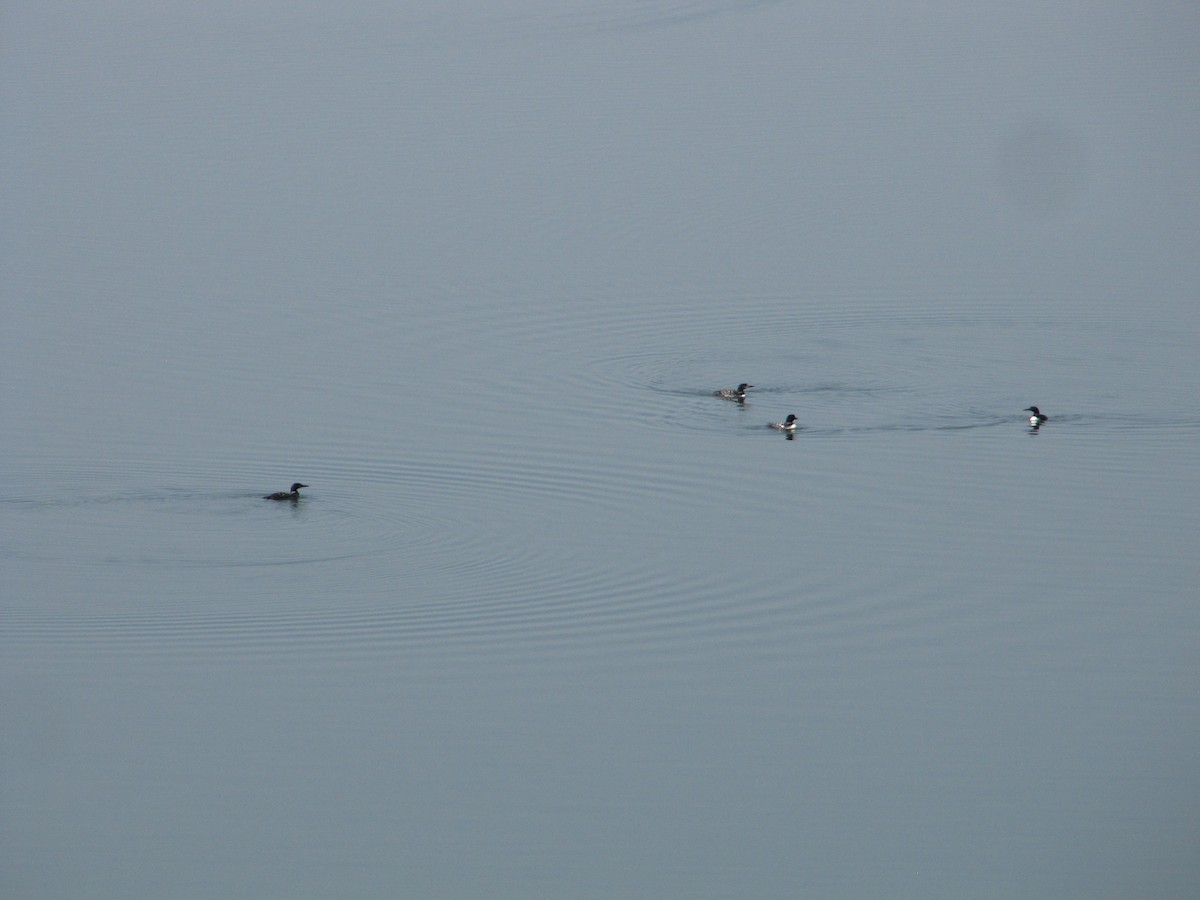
(293,494)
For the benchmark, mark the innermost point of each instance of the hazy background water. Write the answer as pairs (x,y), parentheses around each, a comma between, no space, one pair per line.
(552,620)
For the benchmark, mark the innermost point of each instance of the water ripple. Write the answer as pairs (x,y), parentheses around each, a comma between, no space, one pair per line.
(596,504)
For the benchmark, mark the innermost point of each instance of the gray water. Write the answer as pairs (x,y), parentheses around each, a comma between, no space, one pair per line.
(551,619)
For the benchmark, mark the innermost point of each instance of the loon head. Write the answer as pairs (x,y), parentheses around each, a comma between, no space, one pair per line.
(296,486)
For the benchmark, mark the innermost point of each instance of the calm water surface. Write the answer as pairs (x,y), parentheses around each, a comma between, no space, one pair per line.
(552,620)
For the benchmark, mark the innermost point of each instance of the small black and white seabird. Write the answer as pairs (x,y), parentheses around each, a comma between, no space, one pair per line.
(293,494)
(788,424)
(1037,418)
(738,393)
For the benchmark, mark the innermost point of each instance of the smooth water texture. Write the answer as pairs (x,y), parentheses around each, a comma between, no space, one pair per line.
(552,620)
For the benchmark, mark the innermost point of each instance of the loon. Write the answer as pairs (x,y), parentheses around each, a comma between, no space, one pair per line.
(293,494)
(738,393)
(1037,418)
(788,424)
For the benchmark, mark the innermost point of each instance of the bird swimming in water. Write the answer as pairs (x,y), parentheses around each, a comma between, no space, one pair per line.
(1037,418)
(738,393)
(788,424)
(293,494)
